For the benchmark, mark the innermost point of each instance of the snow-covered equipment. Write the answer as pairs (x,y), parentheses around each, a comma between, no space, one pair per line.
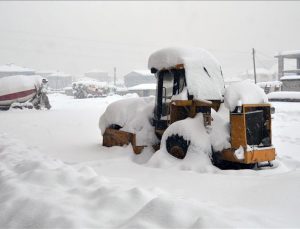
(89,89)
(23,91)
(41,100)
(186,112)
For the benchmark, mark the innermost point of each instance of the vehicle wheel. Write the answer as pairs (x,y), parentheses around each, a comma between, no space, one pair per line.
(177,146)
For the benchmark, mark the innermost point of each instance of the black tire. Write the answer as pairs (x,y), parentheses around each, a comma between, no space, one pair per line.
(177,146)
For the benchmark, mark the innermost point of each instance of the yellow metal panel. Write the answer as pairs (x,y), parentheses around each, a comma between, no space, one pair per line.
(112,137)
(250,157)
(260,155)
(238,131)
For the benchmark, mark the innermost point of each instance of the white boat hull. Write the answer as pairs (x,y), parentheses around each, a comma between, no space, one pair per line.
(18,89)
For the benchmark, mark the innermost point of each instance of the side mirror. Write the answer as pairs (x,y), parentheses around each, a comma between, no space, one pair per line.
(153,70)
(272,110)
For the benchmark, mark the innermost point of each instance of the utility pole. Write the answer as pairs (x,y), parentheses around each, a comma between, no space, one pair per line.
(254,68)
(115,75)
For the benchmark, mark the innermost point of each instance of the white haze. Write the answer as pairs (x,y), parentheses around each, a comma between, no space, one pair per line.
(79,36)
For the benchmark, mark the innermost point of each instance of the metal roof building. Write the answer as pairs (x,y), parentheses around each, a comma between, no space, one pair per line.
(290,77)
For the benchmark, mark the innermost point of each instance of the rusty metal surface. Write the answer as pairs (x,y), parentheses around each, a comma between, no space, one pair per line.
(112,137)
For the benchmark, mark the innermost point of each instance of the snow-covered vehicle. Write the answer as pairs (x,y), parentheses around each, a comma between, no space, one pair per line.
(23,91)
(89,89)
(189,111)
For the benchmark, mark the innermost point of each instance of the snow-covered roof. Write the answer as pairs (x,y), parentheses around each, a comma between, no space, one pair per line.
(292,53)
(59,74)
(290,77)
(146,86)
(14,68)
(143,72)
(121,89)
(203,72)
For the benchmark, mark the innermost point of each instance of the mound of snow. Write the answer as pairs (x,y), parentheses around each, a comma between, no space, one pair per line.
(203,72)
(133,115)
(39,192)
(220,129)
(202,140)
(243,92)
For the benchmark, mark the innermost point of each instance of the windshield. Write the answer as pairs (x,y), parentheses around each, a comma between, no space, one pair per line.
(170,82)
(167,92)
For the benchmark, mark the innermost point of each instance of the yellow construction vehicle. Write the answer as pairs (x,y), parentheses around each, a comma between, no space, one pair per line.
(250,124)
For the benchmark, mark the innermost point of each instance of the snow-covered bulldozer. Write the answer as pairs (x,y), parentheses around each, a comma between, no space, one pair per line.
(190,85)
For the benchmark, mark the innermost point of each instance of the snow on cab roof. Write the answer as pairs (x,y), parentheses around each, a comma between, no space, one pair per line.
(14,68)
(202,71)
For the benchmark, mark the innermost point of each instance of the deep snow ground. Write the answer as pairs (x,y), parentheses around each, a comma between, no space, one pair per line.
(93,186)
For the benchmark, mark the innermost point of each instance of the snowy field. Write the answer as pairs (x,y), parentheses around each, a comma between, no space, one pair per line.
(54,173)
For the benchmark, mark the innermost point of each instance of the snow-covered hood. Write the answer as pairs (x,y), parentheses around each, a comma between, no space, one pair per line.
(244,92)
(133,115)
(203,72)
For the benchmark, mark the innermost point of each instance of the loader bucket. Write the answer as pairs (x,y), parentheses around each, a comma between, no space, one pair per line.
(113,137)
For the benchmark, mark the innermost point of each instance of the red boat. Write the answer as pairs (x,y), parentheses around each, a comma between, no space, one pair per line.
(20,89)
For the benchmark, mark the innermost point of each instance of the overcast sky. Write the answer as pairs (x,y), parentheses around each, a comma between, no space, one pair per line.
(76,37)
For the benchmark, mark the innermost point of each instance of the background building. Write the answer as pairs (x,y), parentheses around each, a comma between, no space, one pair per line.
(59,80)
(137,77)
(143,90)
(289,76)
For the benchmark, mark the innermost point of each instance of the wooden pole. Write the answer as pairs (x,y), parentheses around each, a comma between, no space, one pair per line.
(254,68)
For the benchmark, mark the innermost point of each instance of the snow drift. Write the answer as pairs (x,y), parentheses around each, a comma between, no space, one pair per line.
(99,187)
(203,72)
(203,142)
(39,192)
